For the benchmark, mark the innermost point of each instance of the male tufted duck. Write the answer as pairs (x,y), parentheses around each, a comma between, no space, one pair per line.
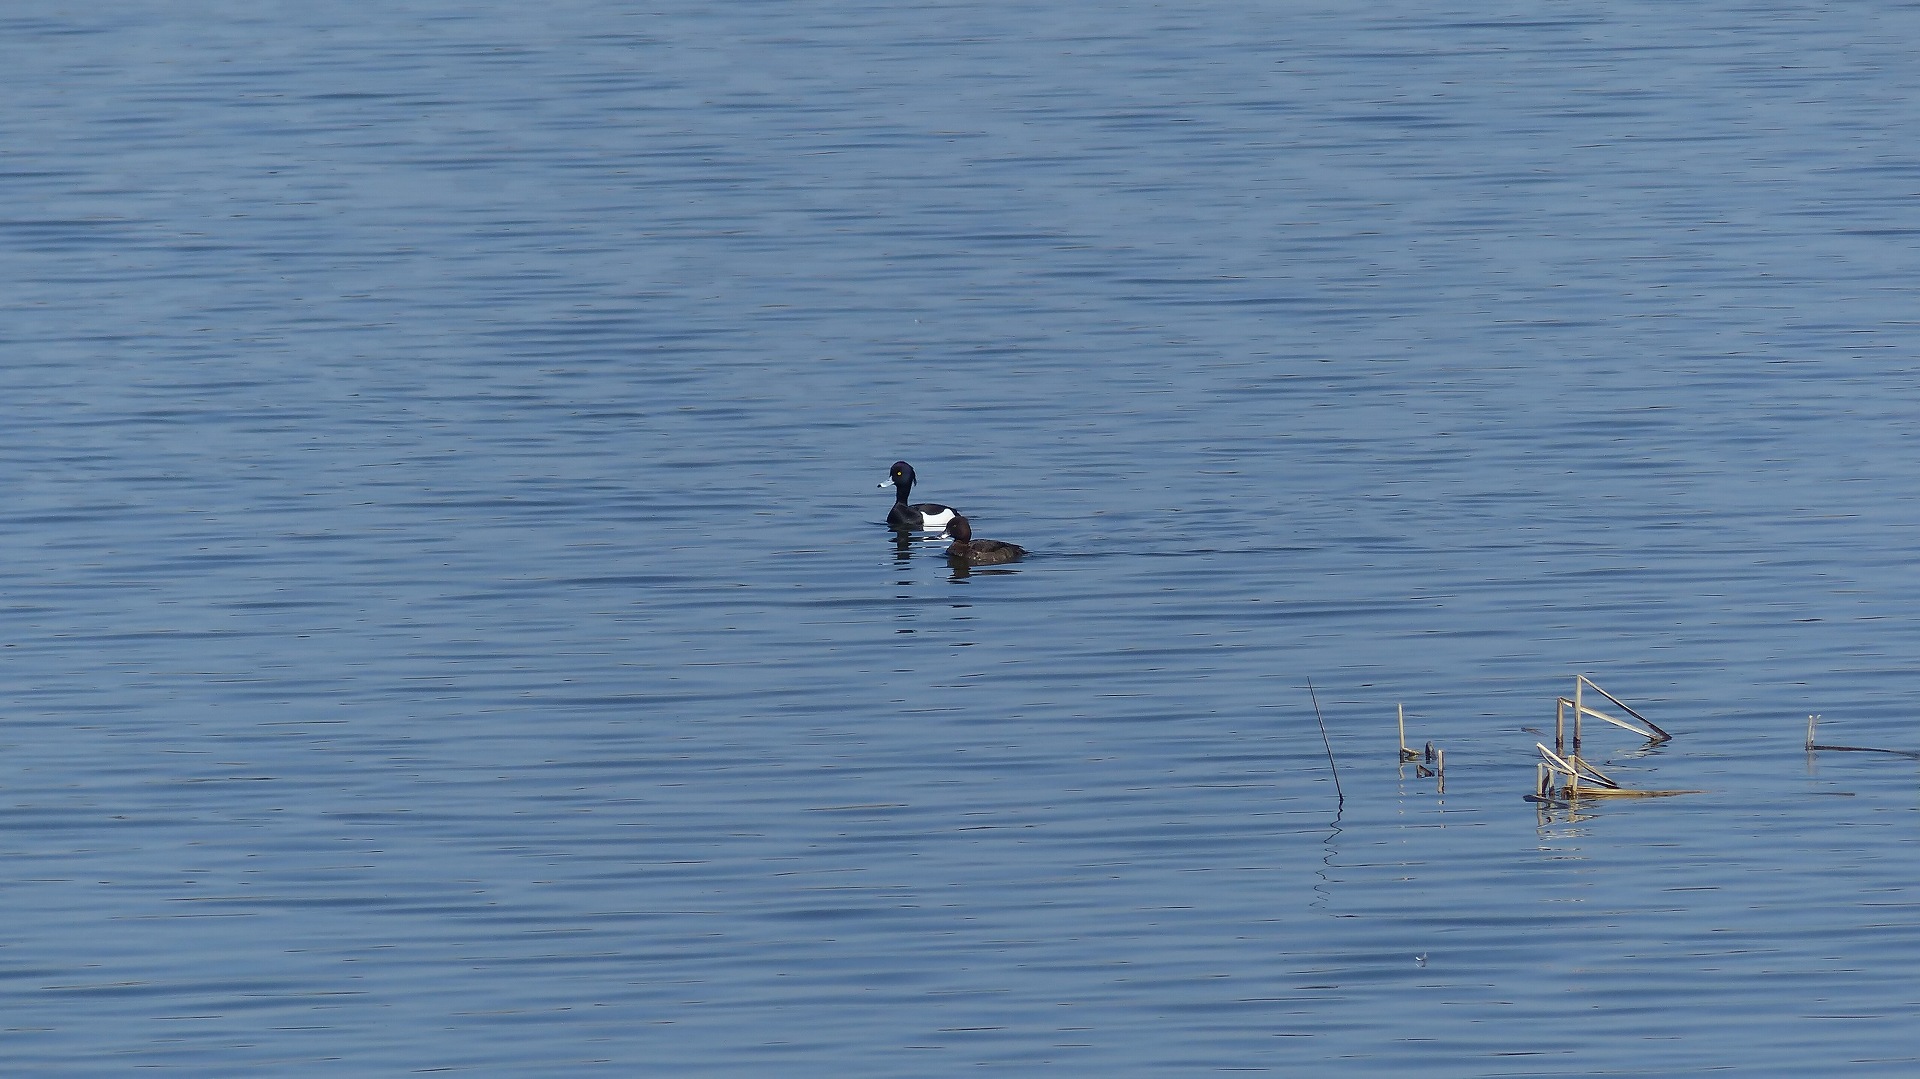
(972,552)
(926,516)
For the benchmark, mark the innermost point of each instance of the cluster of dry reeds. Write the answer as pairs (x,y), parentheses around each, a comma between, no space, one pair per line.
(1563,775)
(1428,764)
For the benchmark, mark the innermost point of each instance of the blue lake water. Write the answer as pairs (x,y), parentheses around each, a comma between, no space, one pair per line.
(447,624)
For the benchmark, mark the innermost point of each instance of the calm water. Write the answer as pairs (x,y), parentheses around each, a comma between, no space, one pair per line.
(447,625)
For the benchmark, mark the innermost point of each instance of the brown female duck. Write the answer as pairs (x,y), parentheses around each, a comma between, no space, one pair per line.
(983,552)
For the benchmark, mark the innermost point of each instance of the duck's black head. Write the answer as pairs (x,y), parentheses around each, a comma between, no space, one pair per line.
(960,530)
(900,478)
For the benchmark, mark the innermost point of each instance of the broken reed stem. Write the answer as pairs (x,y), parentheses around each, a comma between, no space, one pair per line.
(1327,742)
(1574,768)
(1620,792)
(1812,745)
(1651,732)
(1663,736)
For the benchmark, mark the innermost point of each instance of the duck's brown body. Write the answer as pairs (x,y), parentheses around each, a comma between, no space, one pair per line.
(983,552)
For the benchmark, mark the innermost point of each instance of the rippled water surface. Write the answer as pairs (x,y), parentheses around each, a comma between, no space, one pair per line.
(448,625)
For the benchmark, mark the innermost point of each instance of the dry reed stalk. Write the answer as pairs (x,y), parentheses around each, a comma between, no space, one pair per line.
(1579,680)
(1652,733)
(1574,768)
(1620,792)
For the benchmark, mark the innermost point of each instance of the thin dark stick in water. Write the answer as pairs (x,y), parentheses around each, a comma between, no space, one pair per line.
(1870,749)
(1811,746)
(1329,744)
